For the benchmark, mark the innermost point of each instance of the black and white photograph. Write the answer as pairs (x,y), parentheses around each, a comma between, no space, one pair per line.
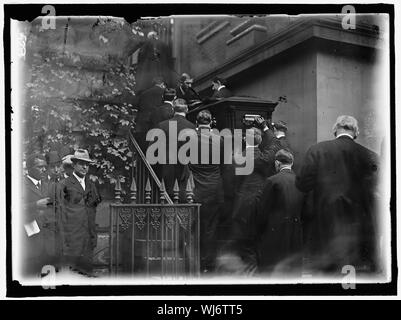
(200,145)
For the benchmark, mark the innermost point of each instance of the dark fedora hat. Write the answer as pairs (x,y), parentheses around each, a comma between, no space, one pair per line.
(65,150)
(53,157)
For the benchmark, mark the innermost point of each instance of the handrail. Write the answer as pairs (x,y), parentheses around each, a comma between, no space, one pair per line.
(149,167)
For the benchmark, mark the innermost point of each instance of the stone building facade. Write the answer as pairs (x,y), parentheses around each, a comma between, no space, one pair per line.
(322,68)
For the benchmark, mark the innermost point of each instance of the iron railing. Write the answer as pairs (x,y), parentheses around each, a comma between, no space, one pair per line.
(153,236)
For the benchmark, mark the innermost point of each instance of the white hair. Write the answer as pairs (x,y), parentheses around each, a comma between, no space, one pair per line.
(346,123)
(152,34)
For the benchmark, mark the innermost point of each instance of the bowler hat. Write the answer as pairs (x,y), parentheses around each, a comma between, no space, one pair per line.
(53,158)
(81,155)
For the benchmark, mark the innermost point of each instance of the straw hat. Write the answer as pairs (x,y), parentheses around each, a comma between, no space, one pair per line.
(81,155)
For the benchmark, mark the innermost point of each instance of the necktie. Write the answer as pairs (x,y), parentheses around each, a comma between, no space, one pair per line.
(38,185)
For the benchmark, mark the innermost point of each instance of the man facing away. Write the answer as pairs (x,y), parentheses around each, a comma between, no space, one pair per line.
(341,225)
(176,171)
(166,110)
(278,221)
(148,101)
(208,186)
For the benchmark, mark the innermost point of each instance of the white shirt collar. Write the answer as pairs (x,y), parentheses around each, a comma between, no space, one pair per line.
(169,102)
(204,126)
(80,180)
(35,182)
(180,114)
(286,168)
(221,87)
(280,135)
(345,134)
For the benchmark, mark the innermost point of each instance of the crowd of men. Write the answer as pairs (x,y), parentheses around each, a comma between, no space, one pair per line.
(320,218)
(324,212)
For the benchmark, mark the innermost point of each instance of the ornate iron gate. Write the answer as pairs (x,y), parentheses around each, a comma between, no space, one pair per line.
(154,240)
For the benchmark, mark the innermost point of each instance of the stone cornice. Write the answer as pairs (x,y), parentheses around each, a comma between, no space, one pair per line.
(301,31)
(241,27)
(246,31)
(210,30)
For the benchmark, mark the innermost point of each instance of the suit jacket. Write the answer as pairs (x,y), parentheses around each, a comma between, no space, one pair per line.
(269,147)
(163,112)
(342,176)
(247,187)
(188,94)
(78,213)
(171,172)
(30,195)
(240,191)
(38,248)
(208,176)
(148,102)
(284,143)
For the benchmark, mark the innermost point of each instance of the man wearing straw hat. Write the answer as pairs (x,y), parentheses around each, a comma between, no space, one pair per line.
(78,201)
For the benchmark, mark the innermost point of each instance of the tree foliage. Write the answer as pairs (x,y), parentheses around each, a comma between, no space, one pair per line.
(70,106)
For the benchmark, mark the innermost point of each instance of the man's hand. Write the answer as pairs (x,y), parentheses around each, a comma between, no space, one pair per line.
(261,123)
(42,203)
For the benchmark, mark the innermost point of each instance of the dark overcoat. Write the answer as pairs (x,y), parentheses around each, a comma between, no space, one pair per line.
(284,143)
(148,102)
(341,174)
(78,213)
(187,93)
(178,171)
(163,112)
(276,231)
(208,192)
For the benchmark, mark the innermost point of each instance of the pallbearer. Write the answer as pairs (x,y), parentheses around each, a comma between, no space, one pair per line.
(208,187)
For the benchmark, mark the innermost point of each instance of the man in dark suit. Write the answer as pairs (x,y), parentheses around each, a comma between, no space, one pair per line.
(270,242)
(240,191)
(148,101)
(341,226)
(277,235)
(35,202)
(166,110)
(220,89)
(78,199)
(176,171)
(208,187)
(185,91)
